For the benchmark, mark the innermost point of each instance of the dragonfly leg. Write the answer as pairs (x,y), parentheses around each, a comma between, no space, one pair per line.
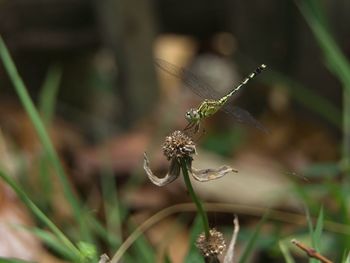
(196,128)
(189,126)
(192,129)
(205,175)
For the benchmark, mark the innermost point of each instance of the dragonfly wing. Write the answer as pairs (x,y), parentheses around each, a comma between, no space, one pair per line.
(189,79)
(243,116)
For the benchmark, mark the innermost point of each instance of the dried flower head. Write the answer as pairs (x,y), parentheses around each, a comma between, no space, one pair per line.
(213,245)
(178,145)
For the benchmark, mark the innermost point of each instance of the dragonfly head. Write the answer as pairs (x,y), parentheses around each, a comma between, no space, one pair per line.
(192,115)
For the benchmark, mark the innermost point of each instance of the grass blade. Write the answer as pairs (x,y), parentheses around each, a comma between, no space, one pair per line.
(335,60)
(285,252)
(248,249)
(167,259)
(47,102)
(319,104)
(339,66)
(40,215)
(144,250)
(112,208)
(51,241)
(48,93)
(39,127)
(315,233)
(13,260)
(318,231)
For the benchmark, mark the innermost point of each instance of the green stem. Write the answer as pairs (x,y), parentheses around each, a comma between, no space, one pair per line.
(194,197)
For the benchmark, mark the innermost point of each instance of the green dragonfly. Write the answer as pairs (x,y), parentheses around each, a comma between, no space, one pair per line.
(213,101)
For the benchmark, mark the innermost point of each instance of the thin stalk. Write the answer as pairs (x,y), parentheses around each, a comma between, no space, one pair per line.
(194,197)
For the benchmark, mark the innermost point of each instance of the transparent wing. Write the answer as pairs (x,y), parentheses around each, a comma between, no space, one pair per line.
(205,91)
(243,116)
(189,79)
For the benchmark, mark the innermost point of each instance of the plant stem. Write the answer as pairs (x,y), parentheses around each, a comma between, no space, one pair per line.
(194,197)
(312,253)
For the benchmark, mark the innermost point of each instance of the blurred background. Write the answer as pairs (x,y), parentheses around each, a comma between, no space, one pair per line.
(89,68)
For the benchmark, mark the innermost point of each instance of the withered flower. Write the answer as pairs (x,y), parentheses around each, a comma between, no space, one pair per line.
(215,245)
(179,146)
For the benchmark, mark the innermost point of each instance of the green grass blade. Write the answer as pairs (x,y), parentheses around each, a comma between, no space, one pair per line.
(318,231)
(319,104)
(51,241)
(48,93)
(319,170)
(102,232)
(112,210)
(46,105)
(39,127)
(309,221)
(285,252)
(88,251)
(40,215)
(336,62)
(167,259)
(335,58)
(45,182)
(311,233)
(248,249)
(13,260)
(339,66)
(85,228)
(143,250)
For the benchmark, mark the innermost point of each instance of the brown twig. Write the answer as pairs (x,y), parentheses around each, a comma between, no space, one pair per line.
(229,257)
(311,252)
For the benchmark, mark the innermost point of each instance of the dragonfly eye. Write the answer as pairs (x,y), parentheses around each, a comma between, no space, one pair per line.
(191,115)
(188,115)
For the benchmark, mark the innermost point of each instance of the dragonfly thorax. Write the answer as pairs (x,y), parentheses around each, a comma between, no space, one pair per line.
(192,115)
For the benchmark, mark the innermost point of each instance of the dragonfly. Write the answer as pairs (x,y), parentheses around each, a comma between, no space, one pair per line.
(213,101)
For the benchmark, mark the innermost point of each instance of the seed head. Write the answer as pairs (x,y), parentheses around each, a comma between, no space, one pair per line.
(178,145)
(213,245)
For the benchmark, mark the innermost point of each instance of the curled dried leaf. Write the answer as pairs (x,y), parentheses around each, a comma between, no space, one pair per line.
(171,175)
(205,175)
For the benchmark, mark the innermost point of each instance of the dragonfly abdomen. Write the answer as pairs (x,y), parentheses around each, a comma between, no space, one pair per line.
(252,75)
